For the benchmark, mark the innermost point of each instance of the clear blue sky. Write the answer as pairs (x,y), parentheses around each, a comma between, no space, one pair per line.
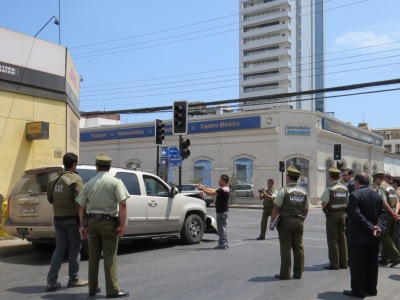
(162,51)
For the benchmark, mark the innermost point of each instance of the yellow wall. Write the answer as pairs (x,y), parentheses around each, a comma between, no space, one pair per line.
(19,154)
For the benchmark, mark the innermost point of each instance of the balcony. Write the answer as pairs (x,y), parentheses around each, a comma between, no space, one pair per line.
(273,16)
(258,31)
(264,5)
(266,67)
(283,79)
(281,52)
(266,42)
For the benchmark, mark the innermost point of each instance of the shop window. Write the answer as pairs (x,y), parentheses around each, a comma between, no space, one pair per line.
(202,172)
(243,168)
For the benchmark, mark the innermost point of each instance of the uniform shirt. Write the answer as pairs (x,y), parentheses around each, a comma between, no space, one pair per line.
(64,193)
(388,194)
(337,195)
(221,201)
(102,193)
(280,198)
(271,192)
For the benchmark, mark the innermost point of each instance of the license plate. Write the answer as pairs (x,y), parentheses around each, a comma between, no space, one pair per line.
(27,209)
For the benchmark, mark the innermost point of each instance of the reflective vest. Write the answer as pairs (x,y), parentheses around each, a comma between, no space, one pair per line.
(338,195)
(294,202)
(391,194)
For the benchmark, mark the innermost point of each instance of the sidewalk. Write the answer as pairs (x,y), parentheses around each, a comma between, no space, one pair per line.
(13,245)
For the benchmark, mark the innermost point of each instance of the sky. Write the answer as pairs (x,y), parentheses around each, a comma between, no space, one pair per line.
(136,54)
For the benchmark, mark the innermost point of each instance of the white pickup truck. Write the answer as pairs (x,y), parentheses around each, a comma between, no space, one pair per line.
(154,209)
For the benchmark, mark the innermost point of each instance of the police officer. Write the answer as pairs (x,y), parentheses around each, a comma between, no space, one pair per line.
(62,190)
(334,204)
(268,197)
(104,199)
(291,206)
(391,203)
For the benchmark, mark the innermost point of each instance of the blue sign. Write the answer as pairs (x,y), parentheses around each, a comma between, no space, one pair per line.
(352,132)
(175,161)
(173,151)
(193,127)
(163,161)
(164,151)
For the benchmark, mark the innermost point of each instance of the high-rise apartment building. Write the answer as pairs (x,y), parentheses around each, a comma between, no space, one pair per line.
(282,51)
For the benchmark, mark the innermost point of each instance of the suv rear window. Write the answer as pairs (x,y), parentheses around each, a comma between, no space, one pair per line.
(86,174)
(33,182)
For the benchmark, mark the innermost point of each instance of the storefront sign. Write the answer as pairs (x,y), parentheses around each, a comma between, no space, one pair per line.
(37,131)
(352,132)
(298,130)
(193,127)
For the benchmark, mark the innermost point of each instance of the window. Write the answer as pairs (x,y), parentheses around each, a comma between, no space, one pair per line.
(131,182)
(397,148)
(202,171)
(243,168)
(388,148)
(154,187)
(261,88)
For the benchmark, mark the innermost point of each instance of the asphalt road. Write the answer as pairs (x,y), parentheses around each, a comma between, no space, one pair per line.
(167,269)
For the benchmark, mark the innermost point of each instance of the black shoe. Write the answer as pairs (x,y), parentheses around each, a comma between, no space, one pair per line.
(330,268)
(277,276)
(260,238)
(351,294)
(296,277)
(372,293)
(395,263)
(119,295)
(383,262)
(98,290)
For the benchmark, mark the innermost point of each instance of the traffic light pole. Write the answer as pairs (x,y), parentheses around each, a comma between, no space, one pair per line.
(180,167)
(158,160)
(282,178)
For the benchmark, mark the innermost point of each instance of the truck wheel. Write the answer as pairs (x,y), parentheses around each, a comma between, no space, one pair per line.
(192,230)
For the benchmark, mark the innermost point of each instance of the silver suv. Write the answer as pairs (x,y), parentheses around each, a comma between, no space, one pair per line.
(154,209)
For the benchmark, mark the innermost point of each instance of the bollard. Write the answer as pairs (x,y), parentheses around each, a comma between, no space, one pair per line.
(3,233)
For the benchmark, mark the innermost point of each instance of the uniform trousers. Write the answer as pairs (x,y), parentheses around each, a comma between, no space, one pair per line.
(267,212)
(336,238)
(102,239)
(364,268)
(389,250)
(290,232)
(397,236)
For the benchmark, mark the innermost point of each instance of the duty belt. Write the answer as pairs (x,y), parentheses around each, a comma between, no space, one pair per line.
(100,217)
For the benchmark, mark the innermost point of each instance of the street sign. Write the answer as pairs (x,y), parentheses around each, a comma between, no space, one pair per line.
(173,151)
(163,161)
(164,151)
(175,161)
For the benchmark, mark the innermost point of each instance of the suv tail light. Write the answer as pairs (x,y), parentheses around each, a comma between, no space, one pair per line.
(201,193)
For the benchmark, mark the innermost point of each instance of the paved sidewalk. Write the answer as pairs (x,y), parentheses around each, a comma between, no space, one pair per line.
(12,245)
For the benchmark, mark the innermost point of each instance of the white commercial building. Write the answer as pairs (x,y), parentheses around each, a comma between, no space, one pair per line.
(248,145)
(282,51)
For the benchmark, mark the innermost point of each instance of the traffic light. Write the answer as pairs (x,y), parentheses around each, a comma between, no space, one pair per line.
(185,152)
(281,166)
(159,131)
(180,111)
(337,151)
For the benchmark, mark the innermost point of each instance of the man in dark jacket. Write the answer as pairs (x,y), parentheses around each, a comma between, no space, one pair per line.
(366,221)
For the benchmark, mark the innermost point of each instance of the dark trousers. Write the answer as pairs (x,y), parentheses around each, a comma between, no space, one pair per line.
(364,268)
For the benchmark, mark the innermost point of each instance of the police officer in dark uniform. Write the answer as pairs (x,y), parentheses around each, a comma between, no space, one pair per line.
(291,206)
(104,199)
(334,204)
(391,203)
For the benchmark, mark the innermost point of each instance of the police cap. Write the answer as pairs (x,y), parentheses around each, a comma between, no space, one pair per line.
(292,171)
(379,174)
(103,160)
(334,170)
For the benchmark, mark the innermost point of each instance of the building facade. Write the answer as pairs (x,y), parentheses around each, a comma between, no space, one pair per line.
(39,112)
(282,51)
(247,145)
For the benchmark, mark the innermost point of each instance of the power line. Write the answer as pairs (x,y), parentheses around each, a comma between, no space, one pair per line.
(77,56)
(253,99)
